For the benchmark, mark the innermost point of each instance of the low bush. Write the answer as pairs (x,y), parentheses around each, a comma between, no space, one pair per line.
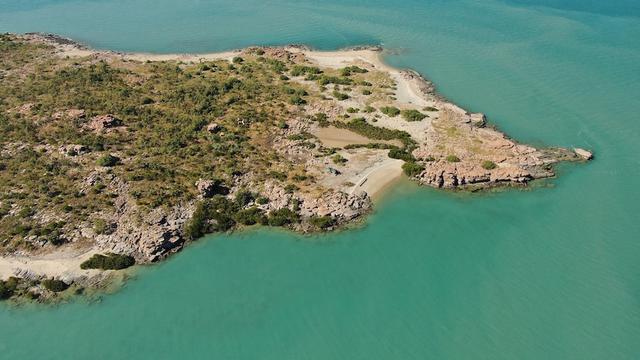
(244,197)
(338,159)
(299,70)
(401,154)
(452,158)
(362,127)
(413,115)
(251,216)
(108,160)
(412,168)
(8,288)
(322,222)
(55,285)
(108,261)
(390,111)
(282,217)
(347,71)
(297,100)
(489,165)
(340,96)
(324,80)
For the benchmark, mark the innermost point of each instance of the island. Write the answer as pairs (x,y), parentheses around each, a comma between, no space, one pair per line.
(112,159)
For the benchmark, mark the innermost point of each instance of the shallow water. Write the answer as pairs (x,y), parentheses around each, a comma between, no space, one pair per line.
(552,273)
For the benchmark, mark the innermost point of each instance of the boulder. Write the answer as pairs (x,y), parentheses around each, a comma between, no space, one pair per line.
(585,154)
(213,128)
(102,123)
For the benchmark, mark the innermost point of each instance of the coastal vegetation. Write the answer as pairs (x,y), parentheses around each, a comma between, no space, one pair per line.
(390,111)
(488,165)
(413,115)
(108,261)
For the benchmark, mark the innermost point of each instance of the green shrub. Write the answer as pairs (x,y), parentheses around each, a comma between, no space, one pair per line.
(430,108)
(100,227)
(412,168)
(340,96)
(352,110)
(413,115)
(362,127)
(250,216)
(282,217)
(452,158)
(325,80)
(396,153)
(55,285)
(197,225)
(108,261)
(237,60)
(322,222)
(366,92)
(299,70)
(338,159)
(297,100)
(347,71)
(290,188)
(261,200)
(390,111)
(369,109)
(8,287)
(489,165)
(244,197)
(108,160)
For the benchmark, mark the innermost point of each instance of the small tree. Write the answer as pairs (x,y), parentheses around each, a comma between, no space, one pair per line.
(108,160)
(55,285)
(411,168)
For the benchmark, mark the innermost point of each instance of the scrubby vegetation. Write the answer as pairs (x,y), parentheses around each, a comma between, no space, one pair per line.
(413,115)
(347,71)
(8,288)
(322,222)
(390,111)
(362,127)
(249,100)
(340,96)
(108,262)
(55,285)
(489,165)
(412,168)
(452,158)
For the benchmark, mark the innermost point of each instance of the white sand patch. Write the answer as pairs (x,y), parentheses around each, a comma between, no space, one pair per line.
(64,263)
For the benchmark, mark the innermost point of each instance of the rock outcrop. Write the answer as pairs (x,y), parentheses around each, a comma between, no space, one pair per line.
(104,123)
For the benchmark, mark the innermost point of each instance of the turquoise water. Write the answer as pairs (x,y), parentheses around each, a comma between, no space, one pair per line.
(552,273)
